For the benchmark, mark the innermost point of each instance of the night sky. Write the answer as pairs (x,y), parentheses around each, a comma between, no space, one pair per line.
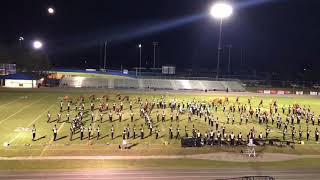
(281,36)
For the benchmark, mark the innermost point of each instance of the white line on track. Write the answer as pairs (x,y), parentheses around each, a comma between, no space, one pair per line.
(43,151)
(35,120)
(2,121)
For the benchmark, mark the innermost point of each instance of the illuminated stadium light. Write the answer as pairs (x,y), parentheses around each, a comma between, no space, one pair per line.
(37,44)
(221,10)
(51,10)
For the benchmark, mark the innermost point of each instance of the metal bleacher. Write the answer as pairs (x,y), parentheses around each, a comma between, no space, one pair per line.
(160,84)
(126,83)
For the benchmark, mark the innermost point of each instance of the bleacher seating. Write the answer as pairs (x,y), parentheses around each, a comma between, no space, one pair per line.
(160,84)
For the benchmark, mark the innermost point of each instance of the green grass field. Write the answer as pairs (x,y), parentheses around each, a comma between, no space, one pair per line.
(20,109)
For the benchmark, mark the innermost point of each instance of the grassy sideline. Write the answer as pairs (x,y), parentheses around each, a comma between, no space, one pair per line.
(163,163)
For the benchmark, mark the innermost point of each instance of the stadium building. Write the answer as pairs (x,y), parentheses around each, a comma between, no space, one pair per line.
(20,80)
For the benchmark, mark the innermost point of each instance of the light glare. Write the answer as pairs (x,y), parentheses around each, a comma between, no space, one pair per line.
(50,10)
(221,10)
(37,44)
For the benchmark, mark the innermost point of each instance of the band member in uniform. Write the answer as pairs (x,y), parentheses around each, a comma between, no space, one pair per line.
(141,132)
(150,128)
(124,134)
(157,133)
(300,134)
(49,116)
(170,132)
(228,119)
(284,134)
(186,131)
(211,135)
(71,133)
(260,136)
(131,116)
(55,132)
(114,107)
(92,106)
(217,124)
(317,135)
(134,131)
(121,106)
(128,131)
(308,134)
(81,132)
(293,132)
(112,132)
(120,116)
(110,116)
(68,117)
(59,117)
(98,132)
(33,132)
(240,138)
(61,105)
(69,106)
(163,117)
(89,132)
(232,138)
(247,119)
(267,132)
(158,116)
(219,137)
(178,133)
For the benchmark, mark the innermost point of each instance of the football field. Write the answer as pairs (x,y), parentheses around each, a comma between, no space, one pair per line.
(20,109)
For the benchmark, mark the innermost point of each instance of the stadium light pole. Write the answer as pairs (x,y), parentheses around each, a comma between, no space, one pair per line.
(220,11)
(20,40)
(229,58)
(105,56)
(155,44)
(140,48)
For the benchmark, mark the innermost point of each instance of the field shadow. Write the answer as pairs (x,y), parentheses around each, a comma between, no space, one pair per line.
(40,138)
(75,138)
(63,137)
(133,145)
(117,136)
(104,136)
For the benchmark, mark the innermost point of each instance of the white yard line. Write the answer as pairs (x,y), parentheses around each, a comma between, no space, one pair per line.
(3,120)
(13,101)
(35,120)
(43,151)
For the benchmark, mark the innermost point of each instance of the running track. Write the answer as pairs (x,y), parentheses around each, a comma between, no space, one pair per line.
(177,174)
